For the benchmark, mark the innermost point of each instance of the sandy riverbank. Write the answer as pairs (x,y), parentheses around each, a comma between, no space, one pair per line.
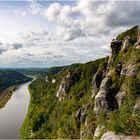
(5,95)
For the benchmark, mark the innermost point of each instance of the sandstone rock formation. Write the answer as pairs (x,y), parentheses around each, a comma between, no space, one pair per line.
(63,88)
(101,101)
(96,81)
(126,43)
(98,131)
(120,97)
(115,47)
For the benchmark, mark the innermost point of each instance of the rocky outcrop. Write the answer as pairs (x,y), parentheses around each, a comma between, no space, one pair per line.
(129,70)
(98,131)
(126,43)
(82,120)
(96,81)
(101,99)
(122,69)
(120,97)
(132,70)
(63,88)
(115,47)
(113,136)
(80,115)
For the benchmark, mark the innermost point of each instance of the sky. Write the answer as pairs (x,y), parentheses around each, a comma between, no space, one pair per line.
(61,32)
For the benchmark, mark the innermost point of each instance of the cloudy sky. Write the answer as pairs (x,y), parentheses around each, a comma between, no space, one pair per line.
(51,33)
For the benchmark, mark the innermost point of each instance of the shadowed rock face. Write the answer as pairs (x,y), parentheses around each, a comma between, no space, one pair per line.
(96,81)
(63,88)
(101,99)
(115,46)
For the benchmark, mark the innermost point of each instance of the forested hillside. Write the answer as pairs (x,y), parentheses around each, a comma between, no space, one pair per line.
(9,78)
(91,100)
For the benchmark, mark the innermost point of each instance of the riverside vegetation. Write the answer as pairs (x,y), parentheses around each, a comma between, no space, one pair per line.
(84,101)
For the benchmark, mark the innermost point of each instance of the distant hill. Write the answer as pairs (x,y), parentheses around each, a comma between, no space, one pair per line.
(10,77)
(33,71)
(29,71)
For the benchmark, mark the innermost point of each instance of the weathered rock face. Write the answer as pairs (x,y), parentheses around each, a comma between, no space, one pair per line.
(63,88)
(115,46)
(129,70)
(132,70)
(96,81)
(82,120)
(101,100)
(126,43)
(80,116)
(98,131)
(137,106)
(118,68)
(113,136)
(120,97)
(110,95)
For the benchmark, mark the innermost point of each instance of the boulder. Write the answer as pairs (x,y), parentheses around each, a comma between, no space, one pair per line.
(113,136)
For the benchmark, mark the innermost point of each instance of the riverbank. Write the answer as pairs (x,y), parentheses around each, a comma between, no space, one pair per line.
(5,95)
(26,130)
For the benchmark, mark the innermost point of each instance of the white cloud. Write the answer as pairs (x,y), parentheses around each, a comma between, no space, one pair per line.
(91,17)
(52,13)
(78,32)
(24,13)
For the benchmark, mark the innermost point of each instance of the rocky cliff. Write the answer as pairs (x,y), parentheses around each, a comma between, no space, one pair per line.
(90,100)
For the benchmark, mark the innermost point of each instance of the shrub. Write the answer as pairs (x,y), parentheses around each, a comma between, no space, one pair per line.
(124,120)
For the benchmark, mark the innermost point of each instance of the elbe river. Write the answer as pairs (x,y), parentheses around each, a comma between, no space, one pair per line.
(14,113)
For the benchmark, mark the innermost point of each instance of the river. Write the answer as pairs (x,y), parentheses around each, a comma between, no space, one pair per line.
(14,112)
